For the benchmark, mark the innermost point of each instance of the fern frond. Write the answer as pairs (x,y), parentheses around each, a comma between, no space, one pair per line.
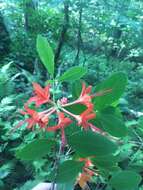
(6,101)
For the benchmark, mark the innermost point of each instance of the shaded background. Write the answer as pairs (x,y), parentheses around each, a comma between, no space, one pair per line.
(105,36)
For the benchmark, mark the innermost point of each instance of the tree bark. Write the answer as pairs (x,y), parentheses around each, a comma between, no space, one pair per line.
(4,38)
(79,36)
(29,8)
(63,32)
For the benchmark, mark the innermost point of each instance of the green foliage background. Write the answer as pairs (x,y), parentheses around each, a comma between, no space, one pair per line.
(104,36)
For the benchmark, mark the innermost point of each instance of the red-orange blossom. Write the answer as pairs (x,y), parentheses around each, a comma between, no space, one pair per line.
(65,118)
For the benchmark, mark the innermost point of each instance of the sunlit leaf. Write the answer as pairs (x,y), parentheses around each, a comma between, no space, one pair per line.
(116,85)
(73,74)
(45,53)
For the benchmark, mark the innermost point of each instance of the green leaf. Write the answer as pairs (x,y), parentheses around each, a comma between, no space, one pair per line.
(68,171)
(107,161)
(76,88)
(112,123)
(45,53)
(35,150)
(76,108)
(108,188)
(73,74)
(125,180)
(116,83)
(72,128)
(87,143)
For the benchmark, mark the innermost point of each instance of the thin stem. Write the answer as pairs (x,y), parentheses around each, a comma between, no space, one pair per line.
(54,91)
(56,164)
(52,111)
(46,111)
(71,114)
(71,103)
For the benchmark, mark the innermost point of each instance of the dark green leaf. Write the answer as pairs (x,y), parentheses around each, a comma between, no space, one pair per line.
(109,121)
(125,180)
(35,150)
(45,53)
(68,171)
(73,74)
(116,83)
(89,144)
(107,161)
(108,188)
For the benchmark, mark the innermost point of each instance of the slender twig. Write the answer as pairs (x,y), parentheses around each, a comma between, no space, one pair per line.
(56,164)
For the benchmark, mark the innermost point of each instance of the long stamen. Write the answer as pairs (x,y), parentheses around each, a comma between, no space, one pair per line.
(46,111)
(102,93)
(71,103)
(49,113)
(95,129)
(92,96)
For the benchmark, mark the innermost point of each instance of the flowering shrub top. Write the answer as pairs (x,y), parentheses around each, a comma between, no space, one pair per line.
(90,152)
(58,109)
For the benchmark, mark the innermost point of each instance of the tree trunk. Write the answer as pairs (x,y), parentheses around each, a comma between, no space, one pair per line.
(63,31)
(29,9)
(4,39)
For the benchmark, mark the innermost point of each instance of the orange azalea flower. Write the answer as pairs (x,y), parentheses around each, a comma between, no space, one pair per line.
(87,161)
(84,117)
(83,120)
(42,95)
(87,173)
(62,123)
(84,97)
(35,118)
(83,179)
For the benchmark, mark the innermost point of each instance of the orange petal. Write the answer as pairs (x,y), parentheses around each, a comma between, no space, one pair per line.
(84,178)
(54,128)
(38,89)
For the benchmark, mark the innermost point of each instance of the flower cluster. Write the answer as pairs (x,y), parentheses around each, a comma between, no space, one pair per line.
(65,117)
(86,174)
